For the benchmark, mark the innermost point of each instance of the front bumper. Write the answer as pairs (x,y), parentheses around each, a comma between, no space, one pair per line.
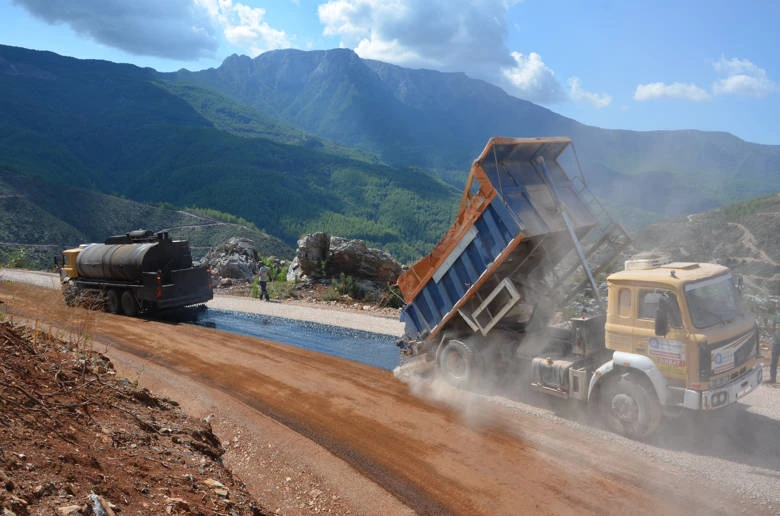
(723,396)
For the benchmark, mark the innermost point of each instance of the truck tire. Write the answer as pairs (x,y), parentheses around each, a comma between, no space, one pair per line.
(629,407)
(112,301)
(71,295)
(129,306)
(459,364)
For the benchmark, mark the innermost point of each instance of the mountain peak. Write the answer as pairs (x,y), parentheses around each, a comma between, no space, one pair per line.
(236,61)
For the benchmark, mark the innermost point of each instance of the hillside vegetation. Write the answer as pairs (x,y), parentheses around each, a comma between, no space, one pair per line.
(39,218)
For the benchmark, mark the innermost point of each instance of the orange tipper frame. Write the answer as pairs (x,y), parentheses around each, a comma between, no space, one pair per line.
(472,205)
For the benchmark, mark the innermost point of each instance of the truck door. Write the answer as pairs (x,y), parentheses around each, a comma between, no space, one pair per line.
(619,330)
(667,351)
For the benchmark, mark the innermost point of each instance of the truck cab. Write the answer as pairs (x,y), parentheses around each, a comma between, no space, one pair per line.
(68,270)
(687,319)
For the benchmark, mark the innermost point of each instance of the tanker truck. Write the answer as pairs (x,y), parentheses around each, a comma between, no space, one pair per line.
(136,273)
(492,301)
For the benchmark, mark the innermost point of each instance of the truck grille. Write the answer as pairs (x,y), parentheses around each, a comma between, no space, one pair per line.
(711,362)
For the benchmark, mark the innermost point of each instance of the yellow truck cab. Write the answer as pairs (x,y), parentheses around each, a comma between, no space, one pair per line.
(682,324)
(68,270)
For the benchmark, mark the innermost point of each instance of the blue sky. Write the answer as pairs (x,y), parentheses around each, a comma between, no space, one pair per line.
(620,64)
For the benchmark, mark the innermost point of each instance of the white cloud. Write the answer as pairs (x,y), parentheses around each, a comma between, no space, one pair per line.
(447,35)
(176,29)
(677,90)
(531,79)
(352,20)
(392,52)
(738,77)
(243,26)
(576,93)
(433,33)
(741,77)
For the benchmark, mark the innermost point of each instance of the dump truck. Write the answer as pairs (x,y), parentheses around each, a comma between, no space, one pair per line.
(490,301)
(139,272)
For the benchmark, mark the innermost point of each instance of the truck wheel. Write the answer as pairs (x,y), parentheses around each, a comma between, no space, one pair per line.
(112,301)
(129,306)
(458,363)
(629,408)
(71,295)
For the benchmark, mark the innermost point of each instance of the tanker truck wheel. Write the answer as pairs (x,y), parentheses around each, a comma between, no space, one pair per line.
(459,364)
(112,301)
(71,295)
(129,306)
(629,407)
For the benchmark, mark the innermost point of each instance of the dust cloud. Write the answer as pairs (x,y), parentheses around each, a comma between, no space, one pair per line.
(477,405)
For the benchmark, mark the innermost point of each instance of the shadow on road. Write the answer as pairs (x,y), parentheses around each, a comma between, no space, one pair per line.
(733,433)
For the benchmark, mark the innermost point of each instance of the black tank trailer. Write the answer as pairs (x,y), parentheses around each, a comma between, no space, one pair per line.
(139,272)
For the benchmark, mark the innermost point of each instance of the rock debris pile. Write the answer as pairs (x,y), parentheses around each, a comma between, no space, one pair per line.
(75,439)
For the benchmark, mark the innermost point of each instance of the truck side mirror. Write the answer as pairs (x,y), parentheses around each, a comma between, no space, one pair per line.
(662,318)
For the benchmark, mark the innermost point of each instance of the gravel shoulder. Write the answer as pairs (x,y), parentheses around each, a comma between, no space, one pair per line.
(359,319)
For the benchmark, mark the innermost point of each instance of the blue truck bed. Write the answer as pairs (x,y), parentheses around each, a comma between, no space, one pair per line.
(518,218)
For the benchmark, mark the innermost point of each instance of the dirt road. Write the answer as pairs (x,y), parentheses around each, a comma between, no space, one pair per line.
(309,432)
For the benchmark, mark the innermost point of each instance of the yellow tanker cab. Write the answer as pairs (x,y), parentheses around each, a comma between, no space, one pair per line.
(69,269)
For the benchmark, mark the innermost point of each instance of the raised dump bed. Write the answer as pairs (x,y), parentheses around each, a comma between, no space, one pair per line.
(518,218)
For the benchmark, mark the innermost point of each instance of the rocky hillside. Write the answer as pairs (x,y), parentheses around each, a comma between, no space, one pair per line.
(742,236)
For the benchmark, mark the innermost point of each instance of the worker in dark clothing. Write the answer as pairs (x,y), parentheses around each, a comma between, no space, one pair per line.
(775,347)
(262,280)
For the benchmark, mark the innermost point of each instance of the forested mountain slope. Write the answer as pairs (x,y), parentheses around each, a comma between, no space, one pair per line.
(441,121)
(118,129)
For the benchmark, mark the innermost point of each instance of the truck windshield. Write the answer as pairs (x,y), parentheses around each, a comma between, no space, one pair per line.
(712,301)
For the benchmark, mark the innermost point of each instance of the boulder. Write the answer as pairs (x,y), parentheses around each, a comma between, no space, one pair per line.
(294,271)
(319,256)
(354,258)
(312,253)
(236,259)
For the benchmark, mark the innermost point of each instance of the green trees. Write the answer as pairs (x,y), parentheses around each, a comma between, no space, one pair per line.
(22,258)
